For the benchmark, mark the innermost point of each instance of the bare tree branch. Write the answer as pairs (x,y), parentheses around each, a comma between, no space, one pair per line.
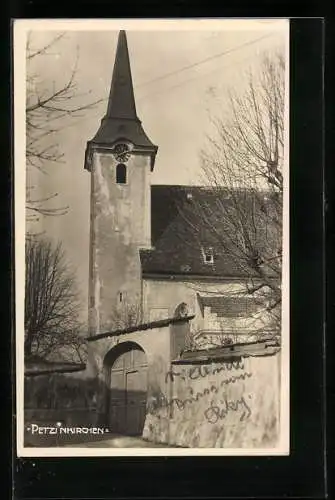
(241,212)
(50,108)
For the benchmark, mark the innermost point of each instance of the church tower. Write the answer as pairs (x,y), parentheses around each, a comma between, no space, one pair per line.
(120,159)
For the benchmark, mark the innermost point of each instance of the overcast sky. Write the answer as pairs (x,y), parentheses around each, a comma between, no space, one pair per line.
(180,77)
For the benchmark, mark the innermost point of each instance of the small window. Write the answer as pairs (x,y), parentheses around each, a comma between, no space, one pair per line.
(120,296)
(121,173)
(208,255)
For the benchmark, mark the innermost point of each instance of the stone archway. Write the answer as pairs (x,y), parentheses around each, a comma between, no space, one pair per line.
(126,381)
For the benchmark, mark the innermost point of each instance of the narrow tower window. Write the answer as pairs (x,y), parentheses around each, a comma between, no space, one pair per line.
(121,173)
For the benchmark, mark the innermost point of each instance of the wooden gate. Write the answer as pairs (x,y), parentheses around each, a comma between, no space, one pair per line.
(128,392)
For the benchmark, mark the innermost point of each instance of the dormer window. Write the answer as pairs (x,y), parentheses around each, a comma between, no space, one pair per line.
(208,255)
(121,173)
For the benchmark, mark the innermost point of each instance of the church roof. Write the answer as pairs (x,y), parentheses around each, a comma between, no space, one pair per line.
(121,121)
(180,237)
(177,248)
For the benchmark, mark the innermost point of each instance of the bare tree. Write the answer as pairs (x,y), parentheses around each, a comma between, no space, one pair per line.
(50,107)
(240,214)
(51,320)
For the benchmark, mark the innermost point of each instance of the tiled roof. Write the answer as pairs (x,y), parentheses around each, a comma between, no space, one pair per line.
(177,247)
(233,307)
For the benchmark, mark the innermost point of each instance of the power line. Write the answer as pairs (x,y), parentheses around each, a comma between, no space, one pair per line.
(168,89)
(152,94)
(199,77)
(198,63)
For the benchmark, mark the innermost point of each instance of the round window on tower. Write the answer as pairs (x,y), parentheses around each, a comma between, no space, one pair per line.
(121,173)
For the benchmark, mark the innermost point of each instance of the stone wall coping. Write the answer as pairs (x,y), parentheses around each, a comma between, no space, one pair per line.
(142,327)
(33,372)
(230,352)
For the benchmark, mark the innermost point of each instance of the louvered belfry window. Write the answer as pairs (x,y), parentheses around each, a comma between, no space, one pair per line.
(121,173)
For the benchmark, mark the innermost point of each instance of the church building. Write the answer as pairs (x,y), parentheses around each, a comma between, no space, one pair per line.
(157,285)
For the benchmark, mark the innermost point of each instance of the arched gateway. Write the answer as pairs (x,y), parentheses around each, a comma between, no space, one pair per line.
(126,381)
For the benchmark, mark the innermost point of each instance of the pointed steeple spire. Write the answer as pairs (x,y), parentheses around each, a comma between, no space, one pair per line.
(121,103)
(121,121)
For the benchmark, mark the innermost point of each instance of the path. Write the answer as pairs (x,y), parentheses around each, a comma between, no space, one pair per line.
(117,441)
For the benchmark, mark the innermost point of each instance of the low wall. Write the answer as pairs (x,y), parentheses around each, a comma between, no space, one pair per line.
(69,398)
(230,404)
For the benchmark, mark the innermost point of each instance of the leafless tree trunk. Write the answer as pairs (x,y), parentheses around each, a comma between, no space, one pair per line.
(50,107)
(241,213)
(51,304)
